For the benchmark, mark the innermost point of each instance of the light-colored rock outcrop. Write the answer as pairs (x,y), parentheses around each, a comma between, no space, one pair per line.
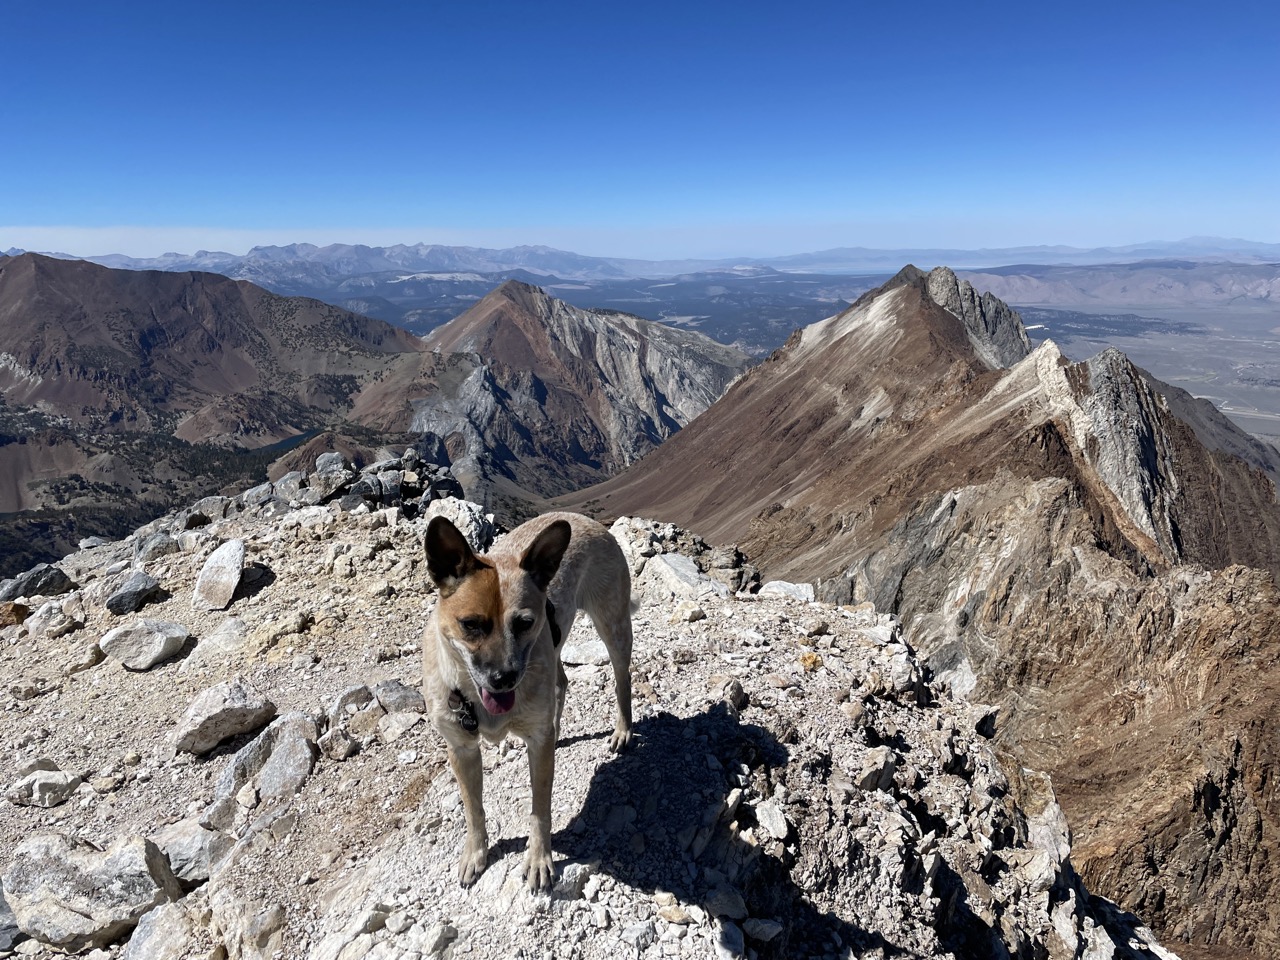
(71,895)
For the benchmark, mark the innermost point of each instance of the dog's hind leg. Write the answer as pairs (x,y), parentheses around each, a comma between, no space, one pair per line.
(615,630)
(468,769)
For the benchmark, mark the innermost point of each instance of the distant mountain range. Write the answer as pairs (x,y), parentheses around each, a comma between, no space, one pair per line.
(309,265)
(752,304)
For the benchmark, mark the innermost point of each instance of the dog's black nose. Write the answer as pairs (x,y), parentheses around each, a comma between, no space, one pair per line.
(503,679)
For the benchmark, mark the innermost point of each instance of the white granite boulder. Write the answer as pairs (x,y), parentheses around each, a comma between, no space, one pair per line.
(219,577)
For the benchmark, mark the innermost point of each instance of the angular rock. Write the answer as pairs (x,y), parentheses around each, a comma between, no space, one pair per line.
(878,768)
(394,725)
(724,901)
(673,574)
(68,894)
(331,477)
(12,613)
(219,577)
(42,580)
(276,764)
(348,702)
(250,930)
(259,494)
(396,697)
(761,930)
(155,546)
(729,942)
(337,745)
(51,621)
(586,650)
(220,713)
(44,788)
(771,817)
(688,611)
(470,519)
(290,485)
(9,932)
(137,589)
(192,850)
(164,933)
(141,645)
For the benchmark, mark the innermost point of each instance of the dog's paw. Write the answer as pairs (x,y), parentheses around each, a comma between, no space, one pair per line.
(537,871)
(620,740)
(472,864)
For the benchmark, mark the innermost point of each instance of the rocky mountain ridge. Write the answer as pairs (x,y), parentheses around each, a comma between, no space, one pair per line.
(545,397)
(1041,529)
(818,795)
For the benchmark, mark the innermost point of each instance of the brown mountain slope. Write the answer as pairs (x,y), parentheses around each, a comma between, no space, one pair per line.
(123,392)
(146,349)
(534,396)
(1059,540)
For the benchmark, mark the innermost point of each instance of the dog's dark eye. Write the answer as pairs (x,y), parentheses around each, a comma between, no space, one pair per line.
(522,622)
(474,625)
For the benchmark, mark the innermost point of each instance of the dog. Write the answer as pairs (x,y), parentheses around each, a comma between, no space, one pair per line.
(491,656)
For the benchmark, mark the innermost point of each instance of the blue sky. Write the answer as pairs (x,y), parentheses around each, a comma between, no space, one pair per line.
(653,130)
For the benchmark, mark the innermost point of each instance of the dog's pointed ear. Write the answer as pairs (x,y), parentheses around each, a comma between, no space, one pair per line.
(543,557)
(449,556)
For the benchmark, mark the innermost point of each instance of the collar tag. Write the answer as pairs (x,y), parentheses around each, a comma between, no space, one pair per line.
(464,711)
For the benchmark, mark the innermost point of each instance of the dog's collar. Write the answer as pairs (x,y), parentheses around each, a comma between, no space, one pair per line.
(555,627)
(464,711)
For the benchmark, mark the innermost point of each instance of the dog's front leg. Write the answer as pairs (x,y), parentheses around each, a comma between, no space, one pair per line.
(542,761)
(469,772)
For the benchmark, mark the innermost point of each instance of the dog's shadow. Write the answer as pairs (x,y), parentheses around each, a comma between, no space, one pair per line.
(658,818)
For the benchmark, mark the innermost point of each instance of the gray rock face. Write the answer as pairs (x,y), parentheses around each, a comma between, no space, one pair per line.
(192,850)
(155,546)
(163,933)
(219,577)
(220,713)
(994,328)
(141,645)
(290,485)
(276,764)
(136,590)
(66,893)
(1127,441)
(559,397)
(42,580)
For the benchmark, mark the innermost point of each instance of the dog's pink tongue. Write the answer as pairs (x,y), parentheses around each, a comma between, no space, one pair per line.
(497,703)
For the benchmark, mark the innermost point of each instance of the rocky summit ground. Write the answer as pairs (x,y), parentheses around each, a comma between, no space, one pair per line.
(258,781)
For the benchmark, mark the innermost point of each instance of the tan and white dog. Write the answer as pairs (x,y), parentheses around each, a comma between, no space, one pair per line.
(491,656)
